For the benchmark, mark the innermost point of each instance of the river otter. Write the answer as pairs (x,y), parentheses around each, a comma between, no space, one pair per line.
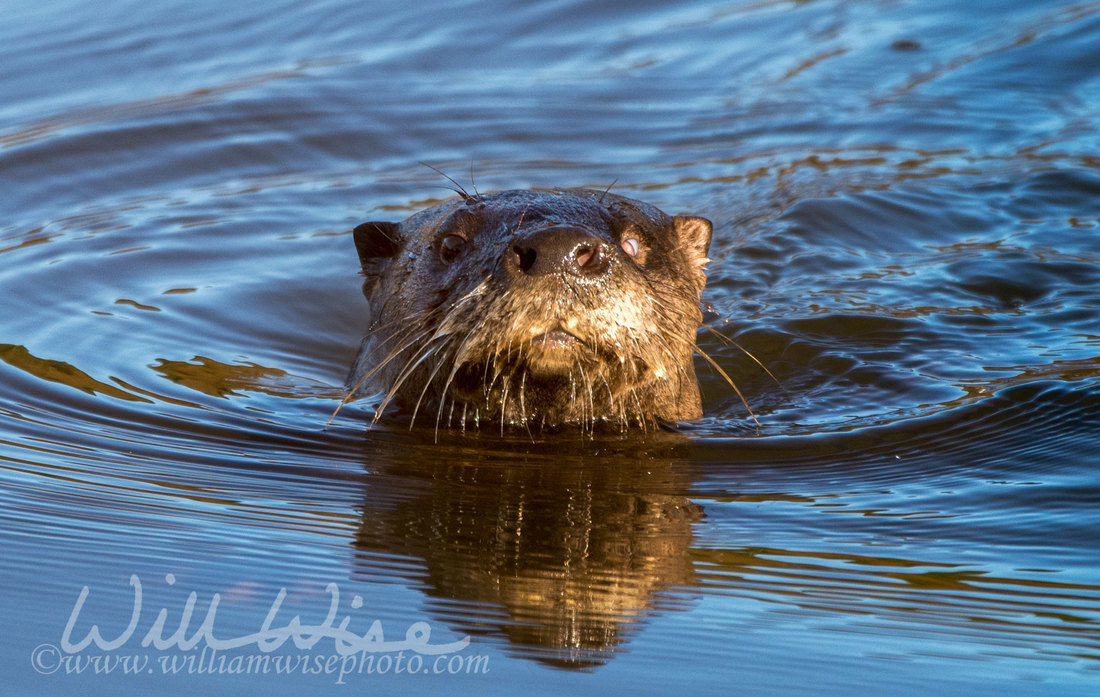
(534,308)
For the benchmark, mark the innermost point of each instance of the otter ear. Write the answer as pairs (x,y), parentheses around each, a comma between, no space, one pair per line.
(376,242)
(693,234)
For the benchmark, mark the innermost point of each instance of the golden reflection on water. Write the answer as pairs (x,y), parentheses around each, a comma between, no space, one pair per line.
(200,374)
(60,372)
(223,380)
(574,557)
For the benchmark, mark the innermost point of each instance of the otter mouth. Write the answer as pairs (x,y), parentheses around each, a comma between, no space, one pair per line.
(553,352)
(555,339)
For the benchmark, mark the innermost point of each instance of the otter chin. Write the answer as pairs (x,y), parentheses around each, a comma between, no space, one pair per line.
(533,308)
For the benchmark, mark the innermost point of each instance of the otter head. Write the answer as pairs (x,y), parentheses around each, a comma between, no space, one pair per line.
(534,308)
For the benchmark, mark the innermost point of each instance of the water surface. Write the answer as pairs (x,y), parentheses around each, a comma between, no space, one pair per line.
(906,198)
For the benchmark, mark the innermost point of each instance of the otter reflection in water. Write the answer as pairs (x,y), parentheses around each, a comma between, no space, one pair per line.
(565,555)
(534,308)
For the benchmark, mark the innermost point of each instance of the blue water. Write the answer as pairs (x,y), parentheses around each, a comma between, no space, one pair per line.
(906,198)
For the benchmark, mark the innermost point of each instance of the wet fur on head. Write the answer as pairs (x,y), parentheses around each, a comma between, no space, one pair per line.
(534,308)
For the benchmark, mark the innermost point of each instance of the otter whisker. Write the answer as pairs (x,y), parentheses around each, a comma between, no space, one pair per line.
(492,371)
(458,187)
(695,348)
(660,307)
(610,393)
(504,383)
(631,395)
(427,384)
(477,194)
(522,217)
(523,406)
(444,402)
(410,366)
(730,341)
(444,330)
(381,364)
(721,372)
(444,391)
(671,354)
(607,190)
(591,402)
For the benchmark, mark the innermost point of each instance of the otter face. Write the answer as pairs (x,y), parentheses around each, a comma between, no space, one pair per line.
(534,308)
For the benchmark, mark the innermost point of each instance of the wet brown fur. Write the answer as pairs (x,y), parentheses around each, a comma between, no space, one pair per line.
(463,330)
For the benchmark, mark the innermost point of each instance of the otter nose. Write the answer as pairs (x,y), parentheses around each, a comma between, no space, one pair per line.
(558,250)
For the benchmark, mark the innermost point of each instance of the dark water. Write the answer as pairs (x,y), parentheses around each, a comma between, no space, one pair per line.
(907,208)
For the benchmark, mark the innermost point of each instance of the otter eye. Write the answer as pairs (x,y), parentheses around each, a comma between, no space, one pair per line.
(631,245)
(450,247)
